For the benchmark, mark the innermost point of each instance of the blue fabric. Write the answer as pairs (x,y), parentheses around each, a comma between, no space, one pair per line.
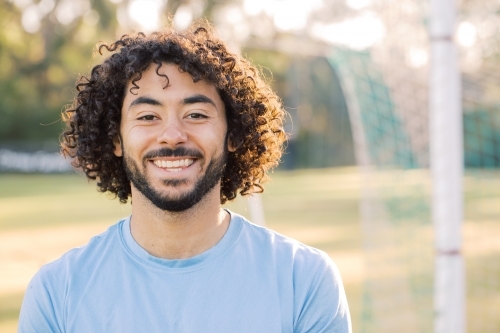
(254,280)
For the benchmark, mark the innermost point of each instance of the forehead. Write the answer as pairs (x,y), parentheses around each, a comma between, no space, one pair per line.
(166,78)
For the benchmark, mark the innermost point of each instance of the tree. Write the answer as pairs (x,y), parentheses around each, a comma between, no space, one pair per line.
(41,53)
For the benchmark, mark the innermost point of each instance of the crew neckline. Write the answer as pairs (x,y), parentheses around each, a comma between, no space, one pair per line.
(196,262)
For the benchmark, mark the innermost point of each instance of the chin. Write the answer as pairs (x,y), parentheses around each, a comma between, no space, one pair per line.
(187,198)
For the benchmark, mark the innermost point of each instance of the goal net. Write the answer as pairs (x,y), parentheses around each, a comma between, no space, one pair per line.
(387,94)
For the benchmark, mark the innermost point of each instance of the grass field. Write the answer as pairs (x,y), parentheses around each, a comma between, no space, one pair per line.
(42,216)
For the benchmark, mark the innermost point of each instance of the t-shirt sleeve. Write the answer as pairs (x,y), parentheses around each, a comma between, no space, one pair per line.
(39,312)
(320,300)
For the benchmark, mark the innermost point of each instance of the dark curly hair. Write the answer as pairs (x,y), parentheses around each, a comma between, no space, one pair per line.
(254,113)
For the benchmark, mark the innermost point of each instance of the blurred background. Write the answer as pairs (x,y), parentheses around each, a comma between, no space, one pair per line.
(355,180)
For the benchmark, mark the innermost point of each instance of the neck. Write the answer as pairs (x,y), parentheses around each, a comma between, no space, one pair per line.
(178,235)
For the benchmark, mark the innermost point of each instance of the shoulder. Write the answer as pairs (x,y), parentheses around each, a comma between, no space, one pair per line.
(55,274)
(319,300)
(263,239)
(96,246)
(43,305)
(302,263)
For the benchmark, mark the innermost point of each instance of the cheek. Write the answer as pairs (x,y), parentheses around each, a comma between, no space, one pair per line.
(134,142)
(219,138)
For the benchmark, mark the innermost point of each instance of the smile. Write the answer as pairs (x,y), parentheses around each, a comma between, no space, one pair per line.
(174,165)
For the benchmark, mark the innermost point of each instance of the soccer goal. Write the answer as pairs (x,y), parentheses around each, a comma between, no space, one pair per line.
(424,108)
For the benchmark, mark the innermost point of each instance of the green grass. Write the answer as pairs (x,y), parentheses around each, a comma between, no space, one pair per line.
(317,207)
(300,204)
(29,201)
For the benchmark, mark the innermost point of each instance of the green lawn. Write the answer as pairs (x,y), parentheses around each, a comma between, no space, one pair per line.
(42,216)
(304,205)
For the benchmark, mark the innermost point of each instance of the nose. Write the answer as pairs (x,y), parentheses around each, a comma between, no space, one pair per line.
(172,134)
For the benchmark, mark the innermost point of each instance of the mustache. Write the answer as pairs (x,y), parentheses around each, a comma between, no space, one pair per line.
(167,152)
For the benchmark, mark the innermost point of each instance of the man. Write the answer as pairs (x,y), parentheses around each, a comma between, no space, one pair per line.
(179,124)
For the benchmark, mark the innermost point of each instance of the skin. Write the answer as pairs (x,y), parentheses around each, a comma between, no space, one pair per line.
(185,114)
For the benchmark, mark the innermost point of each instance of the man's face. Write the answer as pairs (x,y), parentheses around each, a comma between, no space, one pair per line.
(173,138)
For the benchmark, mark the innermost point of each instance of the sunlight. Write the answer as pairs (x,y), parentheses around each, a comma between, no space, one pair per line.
(418,57)
(466,34)
(288,15)
(358,33)
(33,14)
(145,13)
(358,4)
(31,19)
(67,11)
(183,17)
(46,6)
(254,7)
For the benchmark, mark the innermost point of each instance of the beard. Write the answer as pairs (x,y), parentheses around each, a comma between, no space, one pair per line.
(183,201)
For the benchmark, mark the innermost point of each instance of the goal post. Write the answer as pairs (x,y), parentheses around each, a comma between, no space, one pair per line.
(446,164)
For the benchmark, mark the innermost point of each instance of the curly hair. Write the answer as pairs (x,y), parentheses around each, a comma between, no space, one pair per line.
(254,112)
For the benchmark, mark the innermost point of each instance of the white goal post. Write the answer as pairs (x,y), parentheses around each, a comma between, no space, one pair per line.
(446,163)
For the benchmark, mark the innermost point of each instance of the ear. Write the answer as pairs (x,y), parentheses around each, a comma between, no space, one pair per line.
(230,147)
(118,146)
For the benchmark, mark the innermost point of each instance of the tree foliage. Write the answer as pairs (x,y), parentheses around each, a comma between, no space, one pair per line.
(38,70)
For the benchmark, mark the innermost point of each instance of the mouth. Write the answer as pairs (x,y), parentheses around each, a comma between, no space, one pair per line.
(173,165)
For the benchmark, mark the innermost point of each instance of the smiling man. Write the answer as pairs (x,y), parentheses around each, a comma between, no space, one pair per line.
(179,125)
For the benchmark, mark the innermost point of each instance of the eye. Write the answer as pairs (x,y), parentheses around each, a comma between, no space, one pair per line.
(148,117)
(196,116)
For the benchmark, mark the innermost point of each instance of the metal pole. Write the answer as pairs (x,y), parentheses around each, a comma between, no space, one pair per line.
(446,156)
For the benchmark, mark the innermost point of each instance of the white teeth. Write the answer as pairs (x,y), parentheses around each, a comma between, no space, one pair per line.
(173,165)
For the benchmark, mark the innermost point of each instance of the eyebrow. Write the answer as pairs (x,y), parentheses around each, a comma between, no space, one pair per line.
(144,100)
(197,99)
(186,101)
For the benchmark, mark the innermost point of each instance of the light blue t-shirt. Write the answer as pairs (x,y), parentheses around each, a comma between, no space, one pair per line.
(254,280)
